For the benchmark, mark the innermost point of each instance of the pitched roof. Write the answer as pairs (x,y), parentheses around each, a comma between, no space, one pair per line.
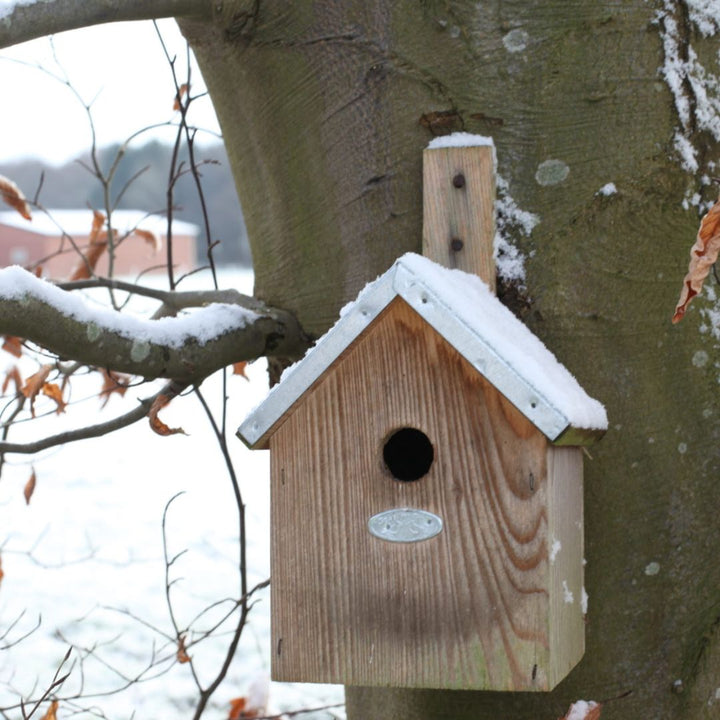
(77,223)
(462,309)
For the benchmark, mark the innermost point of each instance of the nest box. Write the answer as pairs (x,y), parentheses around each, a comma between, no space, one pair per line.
(426,501)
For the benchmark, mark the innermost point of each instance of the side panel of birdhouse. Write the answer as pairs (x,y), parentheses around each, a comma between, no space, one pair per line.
(568,601)
(468,608)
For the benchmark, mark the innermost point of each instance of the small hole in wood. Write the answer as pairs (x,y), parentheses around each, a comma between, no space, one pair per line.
(408,454)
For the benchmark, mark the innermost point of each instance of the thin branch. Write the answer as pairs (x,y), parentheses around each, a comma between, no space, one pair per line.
(208,692)
(30,21)
(92,431)
(16,641)
(293,713)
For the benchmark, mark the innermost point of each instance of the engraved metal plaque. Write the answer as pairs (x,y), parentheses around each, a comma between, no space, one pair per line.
(405,525)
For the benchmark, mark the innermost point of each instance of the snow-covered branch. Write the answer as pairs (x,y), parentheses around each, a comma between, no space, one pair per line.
(29,19)
(186,348)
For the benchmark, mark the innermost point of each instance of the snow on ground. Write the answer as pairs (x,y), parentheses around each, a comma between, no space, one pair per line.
(93,529)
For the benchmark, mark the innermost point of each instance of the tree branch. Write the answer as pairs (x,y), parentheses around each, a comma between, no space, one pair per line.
(32,20)
(83,433)
(186,349)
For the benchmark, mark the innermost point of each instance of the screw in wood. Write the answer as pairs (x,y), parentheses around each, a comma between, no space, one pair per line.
(456,244)
(459,181)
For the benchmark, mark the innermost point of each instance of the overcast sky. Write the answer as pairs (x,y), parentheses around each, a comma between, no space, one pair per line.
(120,68)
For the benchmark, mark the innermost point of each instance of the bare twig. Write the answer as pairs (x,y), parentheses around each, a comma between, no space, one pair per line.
(91,431)
(293,713)
(8,630)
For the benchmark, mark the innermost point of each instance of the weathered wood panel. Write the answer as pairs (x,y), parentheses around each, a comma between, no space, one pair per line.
(459,209)
(469,608)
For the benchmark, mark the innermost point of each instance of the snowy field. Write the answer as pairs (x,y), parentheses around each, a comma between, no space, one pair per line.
(86,555)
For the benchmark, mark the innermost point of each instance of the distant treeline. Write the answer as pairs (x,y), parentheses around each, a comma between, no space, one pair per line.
(72,186)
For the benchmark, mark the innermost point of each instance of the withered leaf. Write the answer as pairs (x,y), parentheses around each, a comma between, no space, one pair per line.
(239,709)
(13,196)
(13,345)
(158,425)
(54,392)
(29,488)
(703,255)
(150,238)
(2,572)
(89,260)
(181,654)
(239,369)
(113,382)
(182,90)
(33,385)
(12,375)
(51,713)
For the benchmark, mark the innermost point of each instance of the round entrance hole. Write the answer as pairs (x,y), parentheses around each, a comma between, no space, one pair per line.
(408,454)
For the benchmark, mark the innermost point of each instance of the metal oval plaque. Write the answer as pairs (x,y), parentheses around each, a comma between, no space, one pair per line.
(405,525)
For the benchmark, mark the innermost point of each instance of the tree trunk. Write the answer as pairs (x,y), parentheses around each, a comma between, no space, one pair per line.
(320,103)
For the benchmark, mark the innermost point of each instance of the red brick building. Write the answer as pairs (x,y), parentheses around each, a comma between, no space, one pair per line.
(54,240)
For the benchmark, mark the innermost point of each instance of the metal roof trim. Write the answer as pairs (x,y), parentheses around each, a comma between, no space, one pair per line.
(468,339)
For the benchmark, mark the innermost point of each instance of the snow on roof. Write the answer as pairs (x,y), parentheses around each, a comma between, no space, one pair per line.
(467,314)
(460,139)
(77,223)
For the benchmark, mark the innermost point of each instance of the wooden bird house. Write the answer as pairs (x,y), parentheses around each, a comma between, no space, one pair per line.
(426,494)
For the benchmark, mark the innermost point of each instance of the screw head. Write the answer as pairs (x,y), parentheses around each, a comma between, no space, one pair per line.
(459,181)
(456,244)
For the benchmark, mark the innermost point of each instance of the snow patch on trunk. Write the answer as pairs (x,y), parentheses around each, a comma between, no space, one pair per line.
(695,88)
(511,221)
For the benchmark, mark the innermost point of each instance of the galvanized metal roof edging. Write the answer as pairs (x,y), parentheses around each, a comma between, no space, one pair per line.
(298,378)
(476,349)
(401,281)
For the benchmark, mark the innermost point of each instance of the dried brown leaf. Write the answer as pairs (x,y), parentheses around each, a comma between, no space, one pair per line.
(34,384)
(150,238)
(54,392)
(182,90)
(240,710)
(113,383)
(13,196)
(29,488)
(51,713)
(97,225)
(12,375)
(181,654)
(13,345)
(2,572)
(88,262)
(703,255)
(158,425)
(239,369)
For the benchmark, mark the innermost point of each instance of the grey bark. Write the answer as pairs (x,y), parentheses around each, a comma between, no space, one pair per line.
(268,331)
(320,105)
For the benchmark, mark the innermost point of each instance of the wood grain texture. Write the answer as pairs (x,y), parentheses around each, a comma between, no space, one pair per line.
(566,546)
(470,608)
(465,213)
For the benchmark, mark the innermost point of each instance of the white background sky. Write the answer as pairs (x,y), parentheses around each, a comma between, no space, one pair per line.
(119,67)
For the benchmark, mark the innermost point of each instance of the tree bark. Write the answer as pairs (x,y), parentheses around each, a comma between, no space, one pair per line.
(326,108)
(321,103)
(37,311)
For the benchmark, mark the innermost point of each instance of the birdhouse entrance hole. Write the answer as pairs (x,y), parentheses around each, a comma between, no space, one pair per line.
(408,454)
